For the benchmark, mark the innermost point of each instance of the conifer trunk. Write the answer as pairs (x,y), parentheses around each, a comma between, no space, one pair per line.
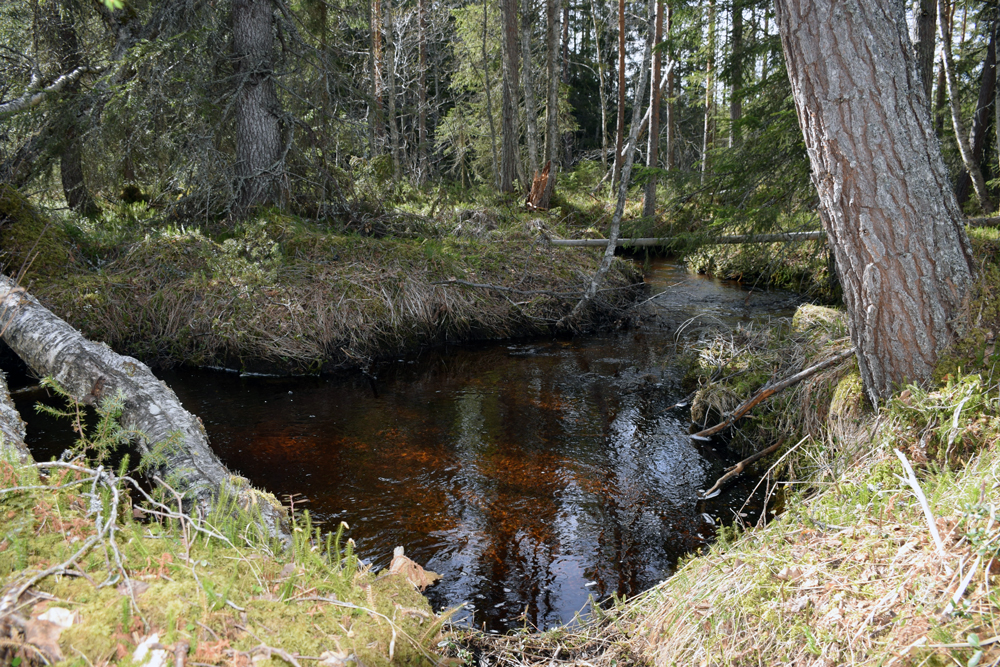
(653,144)
(885,199)
(528,79)
(509,151)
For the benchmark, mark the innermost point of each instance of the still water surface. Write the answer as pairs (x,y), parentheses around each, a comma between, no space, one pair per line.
(531,476)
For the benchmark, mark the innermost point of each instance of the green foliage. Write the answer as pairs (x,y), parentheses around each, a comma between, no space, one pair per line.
(101,439)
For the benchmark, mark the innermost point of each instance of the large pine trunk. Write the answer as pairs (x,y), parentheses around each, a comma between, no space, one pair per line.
(258,126)
(885,198)
(90,371)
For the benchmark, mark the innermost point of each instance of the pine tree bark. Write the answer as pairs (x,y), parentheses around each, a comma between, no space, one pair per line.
(509,154)
(259,168)
(924,35)
(653,144)
(552,105)
(528,79)
(902,253)
(968,160)
(620,134)
(378,84)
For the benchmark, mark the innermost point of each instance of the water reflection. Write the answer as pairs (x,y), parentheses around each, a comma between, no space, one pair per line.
(531,476)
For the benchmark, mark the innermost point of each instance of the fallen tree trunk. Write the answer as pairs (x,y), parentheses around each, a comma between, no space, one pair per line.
(12,447)
(89,371)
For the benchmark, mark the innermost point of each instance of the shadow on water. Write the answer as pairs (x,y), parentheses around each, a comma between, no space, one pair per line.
(532,476)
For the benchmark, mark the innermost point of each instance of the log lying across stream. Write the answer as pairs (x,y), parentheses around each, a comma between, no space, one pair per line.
(786,237)
(90,371)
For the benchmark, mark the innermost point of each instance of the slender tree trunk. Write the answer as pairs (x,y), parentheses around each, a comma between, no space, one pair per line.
(620,135)
(422,168)
(489,98)
(258,128)
(924,34)
(378,86)
(981,116)
(708,137)
(552,105)
(669,162)
(653,144)
(573,316)
(971,166)
(528,78)
(600,88)
(736,75)
(940,102)
(902,254)
(390,75)
(90,371)
(509,154)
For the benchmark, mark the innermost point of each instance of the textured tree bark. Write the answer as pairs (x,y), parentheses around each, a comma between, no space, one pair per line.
(971,166)
(981,116)
(258,127)
(669,120)
(528,79)
(378,125)
(509,154)
(489,100)
(12,432)
(620,134)
(924,33)
(653,144)
(90,371)
(885,199)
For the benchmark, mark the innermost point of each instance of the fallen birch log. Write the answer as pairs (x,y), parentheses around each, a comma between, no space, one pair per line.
(769,391)
(12,447)
(89,371)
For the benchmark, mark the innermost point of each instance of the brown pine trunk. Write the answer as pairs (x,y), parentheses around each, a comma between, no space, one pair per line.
(390,75)
(509,128)
(620,135)
(528,78)
(489,98)
(258,129)
(653,144)
(377,81)
(924,33)
(885,201)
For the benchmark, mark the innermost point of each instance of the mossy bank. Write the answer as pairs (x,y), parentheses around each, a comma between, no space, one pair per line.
(283,294)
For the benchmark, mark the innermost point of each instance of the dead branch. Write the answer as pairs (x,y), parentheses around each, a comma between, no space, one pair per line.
(769,391)
(34,98)
(740,467)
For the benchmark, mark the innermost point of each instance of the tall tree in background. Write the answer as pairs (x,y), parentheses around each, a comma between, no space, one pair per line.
(378,85)
(885,198)
(258,127)
(422,166)
(390,76)
(509,155)
(669,120)
(653,145)
(620,134)
(708,137)
(602,98)
(552,104)
(968,158)
(528,78)
(736,74)
(981,114)
(924,35)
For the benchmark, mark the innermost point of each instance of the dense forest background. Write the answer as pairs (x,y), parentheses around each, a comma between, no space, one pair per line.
(337,110)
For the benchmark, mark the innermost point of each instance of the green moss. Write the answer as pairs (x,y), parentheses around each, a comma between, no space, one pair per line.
(29,241)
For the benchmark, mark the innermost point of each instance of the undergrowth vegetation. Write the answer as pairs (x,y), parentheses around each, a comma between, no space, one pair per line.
(94,571)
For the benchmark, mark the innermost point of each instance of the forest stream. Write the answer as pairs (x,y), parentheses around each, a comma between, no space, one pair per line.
(530,475)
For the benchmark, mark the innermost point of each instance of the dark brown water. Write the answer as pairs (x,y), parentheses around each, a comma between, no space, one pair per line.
(531,476)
